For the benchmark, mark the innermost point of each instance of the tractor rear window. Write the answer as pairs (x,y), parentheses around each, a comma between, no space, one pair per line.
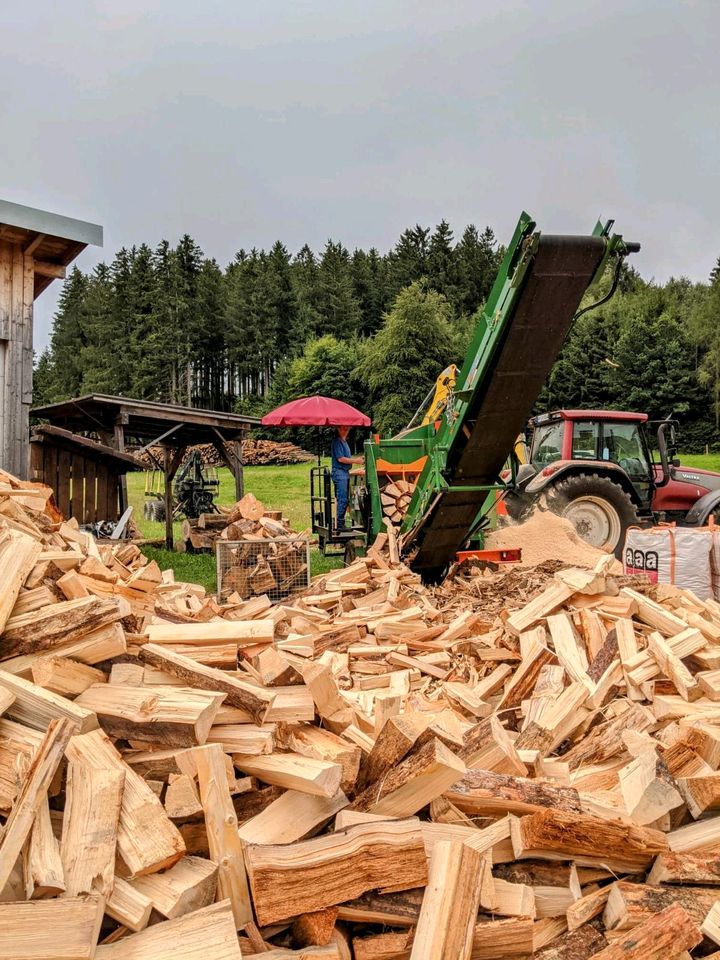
(585,439)
(547,444)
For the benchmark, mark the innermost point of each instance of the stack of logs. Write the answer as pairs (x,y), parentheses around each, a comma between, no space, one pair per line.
(395,497)
(246,519)
(255,453)
(375,771)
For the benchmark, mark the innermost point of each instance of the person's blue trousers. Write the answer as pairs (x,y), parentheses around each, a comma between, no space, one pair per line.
(342,490)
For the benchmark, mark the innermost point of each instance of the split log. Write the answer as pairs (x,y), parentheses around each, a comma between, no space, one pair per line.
(65,929)
(18,555)
(37,707)
(702,868)
(224,842)
(588,840)
(292,816)
(59,623)
(207,934)
(175,717)
(238,693)
(393,743)
(128,906)
(665,934)
(42,866)
(288,770)
(147,839)
(450,905)
(37,780)
(189,885)
(630,904)
(421,777)
(328,870)
(90,826)
(65,677)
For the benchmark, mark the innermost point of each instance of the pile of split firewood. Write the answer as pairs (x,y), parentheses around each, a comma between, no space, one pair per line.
(245,520)
(376,770)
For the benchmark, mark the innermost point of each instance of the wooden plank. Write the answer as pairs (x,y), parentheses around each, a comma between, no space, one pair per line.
(37,780)
(318,873)
(450,906)
(78,487)
(65,929)
(224,842)
(207,934)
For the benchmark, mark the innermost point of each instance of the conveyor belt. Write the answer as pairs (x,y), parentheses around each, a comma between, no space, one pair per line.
(553,287)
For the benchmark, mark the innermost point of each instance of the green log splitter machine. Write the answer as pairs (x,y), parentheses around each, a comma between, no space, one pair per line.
(456,462)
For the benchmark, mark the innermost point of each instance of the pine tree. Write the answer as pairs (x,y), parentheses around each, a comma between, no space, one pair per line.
(68,339)
(408,261)
(305,275)
(715,272)
(336,300)
(442,269)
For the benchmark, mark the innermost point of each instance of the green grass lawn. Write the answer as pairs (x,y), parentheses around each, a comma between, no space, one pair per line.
(705,461)
(279,488)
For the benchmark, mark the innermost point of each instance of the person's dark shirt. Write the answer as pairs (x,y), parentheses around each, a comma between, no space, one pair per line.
(339,449)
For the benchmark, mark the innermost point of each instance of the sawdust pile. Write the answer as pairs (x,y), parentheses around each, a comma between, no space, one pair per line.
(545,536)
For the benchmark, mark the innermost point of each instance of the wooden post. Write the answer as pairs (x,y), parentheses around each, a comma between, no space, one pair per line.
(233,461)
(119,444)
(167,466)
(16,310)
(239,478)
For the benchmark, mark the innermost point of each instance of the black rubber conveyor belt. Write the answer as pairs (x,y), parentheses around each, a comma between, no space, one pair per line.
(553,287)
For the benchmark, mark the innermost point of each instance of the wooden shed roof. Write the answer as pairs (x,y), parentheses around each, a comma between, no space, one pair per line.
(145,420)
(99,452)
(54,241)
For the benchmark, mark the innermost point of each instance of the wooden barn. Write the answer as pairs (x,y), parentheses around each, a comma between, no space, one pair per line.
(36,247)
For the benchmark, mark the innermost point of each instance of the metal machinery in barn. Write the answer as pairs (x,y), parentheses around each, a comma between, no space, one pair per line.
(454,463)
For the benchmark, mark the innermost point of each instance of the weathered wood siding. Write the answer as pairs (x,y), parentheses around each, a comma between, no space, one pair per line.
(83,489)
(16,355)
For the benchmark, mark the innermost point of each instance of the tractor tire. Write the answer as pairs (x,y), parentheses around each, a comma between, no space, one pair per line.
(157,511)
(519,505)
(599,509)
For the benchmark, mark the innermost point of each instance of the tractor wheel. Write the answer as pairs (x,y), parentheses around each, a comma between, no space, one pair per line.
(519,505)
(157,512)
(598,508)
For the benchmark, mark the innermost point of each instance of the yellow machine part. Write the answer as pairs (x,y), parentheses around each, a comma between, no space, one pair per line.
(444,385)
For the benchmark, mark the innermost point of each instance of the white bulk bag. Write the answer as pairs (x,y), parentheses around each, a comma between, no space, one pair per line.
(677,555)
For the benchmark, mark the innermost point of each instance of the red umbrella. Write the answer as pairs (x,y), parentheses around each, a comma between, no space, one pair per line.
(316,412)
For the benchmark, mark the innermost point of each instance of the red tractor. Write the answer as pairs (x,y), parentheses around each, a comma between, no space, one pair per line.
(596,468)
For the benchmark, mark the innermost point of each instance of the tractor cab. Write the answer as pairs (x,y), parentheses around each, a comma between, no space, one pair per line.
(606,438)
(596,469)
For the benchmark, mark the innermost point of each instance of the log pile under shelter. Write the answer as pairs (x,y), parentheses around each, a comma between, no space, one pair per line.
(505,766)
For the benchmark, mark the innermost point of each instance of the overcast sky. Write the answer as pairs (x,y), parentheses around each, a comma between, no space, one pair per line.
(243,122)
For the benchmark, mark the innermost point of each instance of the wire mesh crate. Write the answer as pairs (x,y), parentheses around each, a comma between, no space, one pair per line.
(250,568)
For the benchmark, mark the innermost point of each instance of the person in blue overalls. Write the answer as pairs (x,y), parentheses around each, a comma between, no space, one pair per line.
(342,460)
